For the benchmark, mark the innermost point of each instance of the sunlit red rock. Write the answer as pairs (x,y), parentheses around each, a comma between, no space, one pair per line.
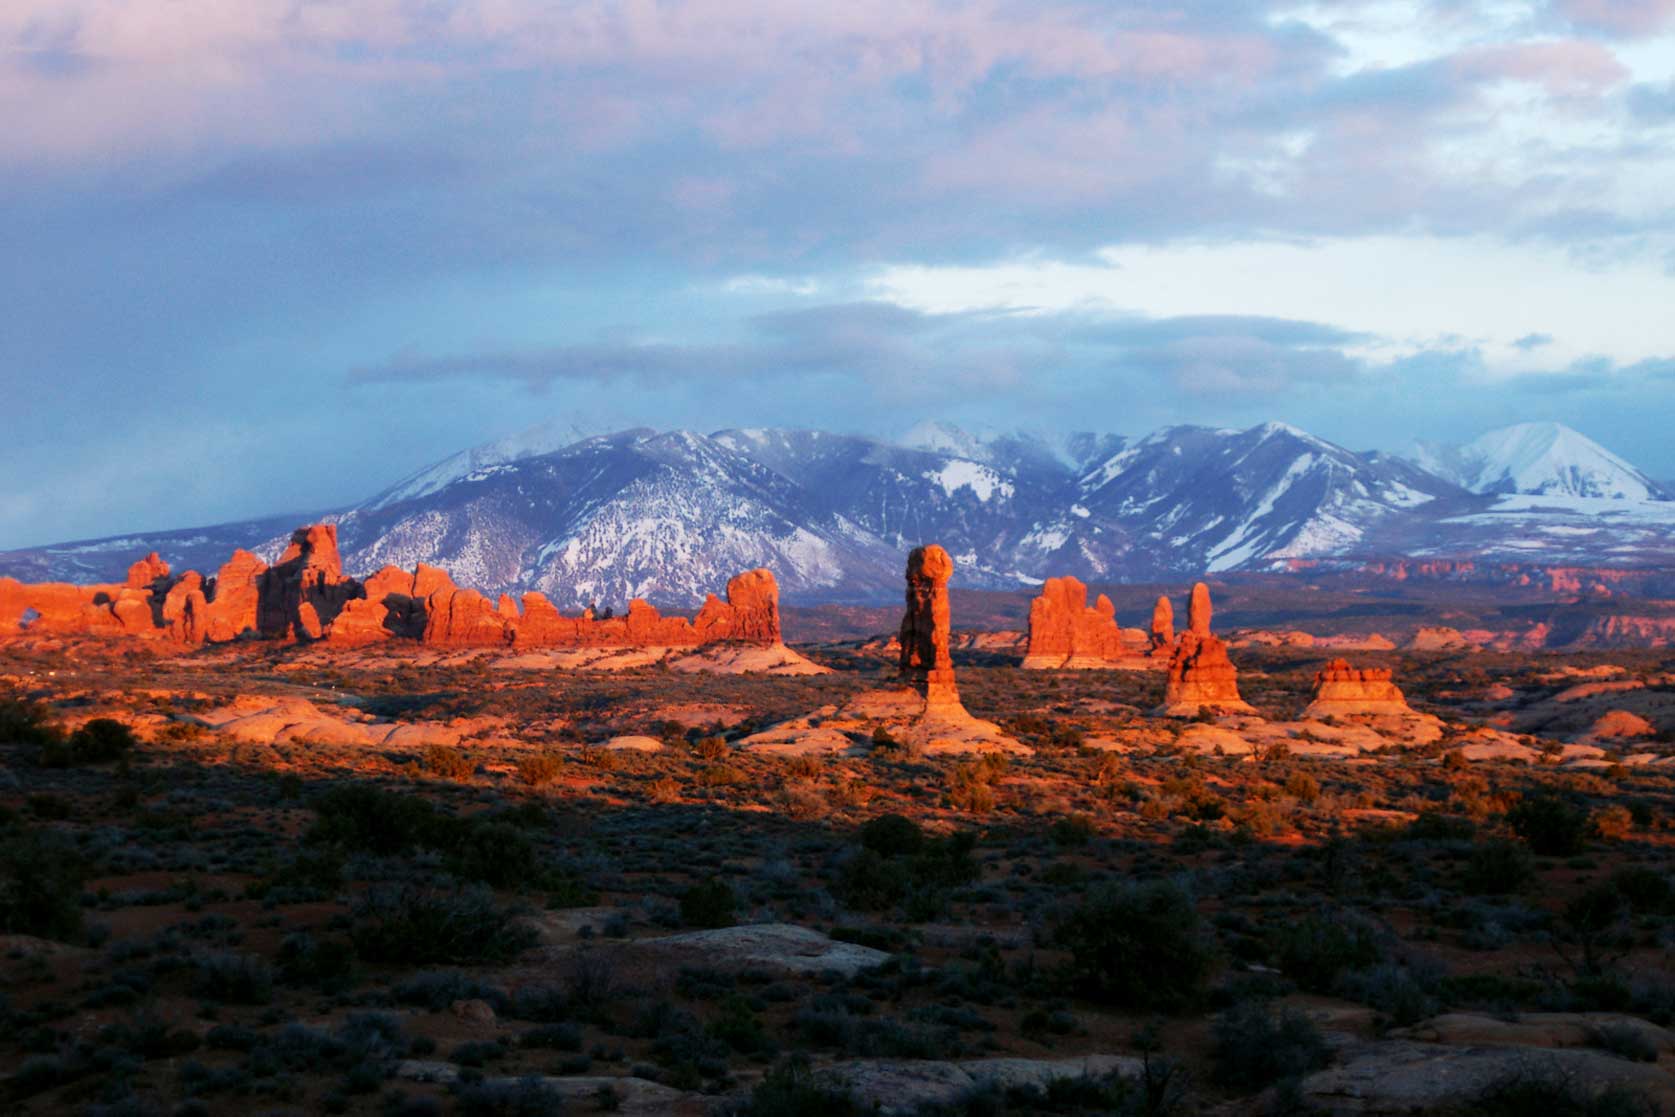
(1341,689)
(1200,674)
(1163,627)
(926,665)
(1065,633)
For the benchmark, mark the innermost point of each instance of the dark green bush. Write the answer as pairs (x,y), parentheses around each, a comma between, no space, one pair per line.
(790,1091)
(892,835)
(1497,867)
(540,770)
(24,722)
(1255,1047)
(707,904)
(40,886)
(435,923)
(1551,826)
(447,763)
(100,741)
(1141,946)
(1316,950)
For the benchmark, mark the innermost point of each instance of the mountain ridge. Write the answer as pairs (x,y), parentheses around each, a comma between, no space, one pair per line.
(665,515)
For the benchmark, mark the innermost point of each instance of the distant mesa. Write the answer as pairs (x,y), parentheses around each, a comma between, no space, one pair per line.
(1344,690)
(1200,674)
(305,597)
(1064,633)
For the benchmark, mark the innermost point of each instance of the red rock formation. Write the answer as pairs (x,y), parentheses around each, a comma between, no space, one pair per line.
(926,665)
(1342,689)
(1198,610)
(1064,632)
(147,572)
(1163,627)
(233,598)
(306,596)
(1200,674)
(305,590)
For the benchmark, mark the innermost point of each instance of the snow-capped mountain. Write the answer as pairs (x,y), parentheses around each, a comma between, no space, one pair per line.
(1541,459)
(671,515)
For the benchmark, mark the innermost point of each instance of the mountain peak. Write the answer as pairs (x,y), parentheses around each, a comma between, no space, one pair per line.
(1539,458)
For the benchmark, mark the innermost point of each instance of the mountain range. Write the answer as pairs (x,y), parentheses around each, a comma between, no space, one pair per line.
(670,515)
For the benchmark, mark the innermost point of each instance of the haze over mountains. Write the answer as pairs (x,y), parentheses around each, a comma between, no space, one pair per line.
(670,515)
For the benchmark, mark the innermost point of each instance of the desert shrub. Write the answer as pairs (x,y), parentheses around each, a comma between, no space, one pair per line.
(712,749)
(305,960)
(1302,787)
(1496,868)
(1401,994)
(1071,831)
(884,740)
(802,767)
(1255,1047)
(1434,826)
(1613,822)
(1646,890)
(664,789)
(24,722)
(707,904)
(872,881)
(40,886)
(100,741)
(1553,1094)
(494,852)
(970,787)
(1593,928)
(892,835)
(788,1090)
(540,770)
(369,820)
(1319,948)
(526,1097)
(719,775)
(240,979)
(1141,946)
(434,923)
(1551,826)
(447,763)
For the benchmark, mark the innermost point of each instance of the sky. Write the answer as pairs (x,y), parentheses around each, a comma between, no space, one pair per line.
(268,256)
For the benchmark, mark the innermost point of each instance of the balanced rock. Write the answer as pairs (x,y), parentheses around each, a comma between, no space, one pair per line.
(926,664)
(1065,633)
(1342,689)
(1200,674)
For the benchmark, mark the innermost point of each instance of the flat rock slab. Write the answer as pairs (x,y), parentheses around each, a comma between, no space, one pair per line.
(902,1086)
(634,1095)
(1403,1077)
(1538,1029)
(783,946)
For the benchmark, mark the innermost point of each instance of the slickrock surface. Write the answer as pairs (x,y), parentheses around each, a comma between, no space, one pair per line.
(1065,633)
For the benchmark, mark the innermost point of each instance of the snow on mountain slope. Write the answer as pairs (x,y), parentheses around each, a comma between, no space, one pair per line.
(1197,498)
(1538,458)
(543,438)
(672,515)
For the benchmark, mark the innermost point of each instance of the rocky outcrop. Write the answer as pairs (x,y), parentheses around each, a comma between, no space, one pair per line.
(1200,674)
(1065,633)
(1342,689)
(926,665)
(305,596)
(1163,628)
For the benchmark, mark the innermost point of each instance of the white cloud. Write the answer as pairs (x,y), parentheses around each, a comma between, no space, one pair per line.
(1411,293)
